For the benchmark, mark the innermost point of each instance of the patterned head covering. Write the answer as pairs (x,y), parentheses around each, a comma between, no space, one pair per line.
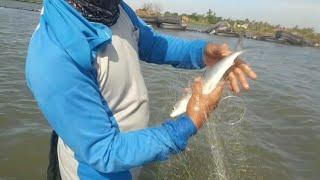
(102,11)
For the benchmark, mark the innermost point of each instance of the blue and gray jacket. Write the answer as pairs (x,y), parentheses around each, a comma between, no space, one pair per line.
(61,75)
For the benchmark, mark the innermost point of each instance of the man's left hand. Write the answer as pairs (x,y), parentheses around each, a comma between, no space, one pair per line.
(238,73)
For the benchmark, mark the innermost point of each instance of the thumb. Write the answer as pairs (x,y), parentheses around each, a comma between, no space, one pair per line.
(197,86)
(217,92)
(225,50)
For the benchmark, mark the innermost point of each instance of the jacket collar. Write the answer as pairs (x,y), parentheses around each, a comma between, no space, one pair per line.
(79,38)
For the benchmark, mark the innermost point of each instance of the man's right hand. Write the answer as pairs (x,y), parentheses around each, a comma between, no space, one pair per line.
(200,106)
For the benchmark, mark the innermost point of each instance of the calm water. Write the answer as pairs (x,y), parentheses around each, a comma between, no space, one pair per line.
(278,138)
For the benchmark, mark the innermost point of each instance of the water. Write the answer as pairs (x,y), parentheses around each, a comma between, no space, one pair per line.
(278,137)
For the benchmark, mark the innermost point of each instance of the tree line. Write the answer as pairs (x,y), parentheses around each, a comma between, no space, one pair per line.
(256,28)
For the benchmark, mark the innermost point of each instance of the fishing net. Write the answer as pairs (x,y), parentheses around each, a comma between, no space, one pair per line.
(216,152)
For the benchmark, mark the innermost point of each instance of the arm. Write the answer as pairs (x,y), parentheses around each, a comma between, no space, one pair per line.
(71,101)
(164,49)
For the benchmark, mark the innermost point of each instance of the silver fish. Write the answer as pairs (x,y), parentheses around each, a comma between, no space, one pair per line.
(211,78)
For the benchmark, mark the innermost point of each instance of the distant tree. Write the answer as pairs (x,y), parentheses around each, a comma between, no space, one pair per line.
(167,13)
(195,16)
(147,7)
(255,28)
(157,8)
(209,13)
(150,9)
(212,18)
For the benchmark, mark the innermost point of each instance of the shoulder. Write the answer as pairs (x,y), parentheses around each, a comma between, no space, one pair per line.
(48,67)
(43,51)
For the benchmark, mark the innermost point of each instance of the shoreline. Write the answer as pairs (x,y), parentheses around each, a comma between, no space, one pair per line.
(270,39)
(279,37)
(284,37)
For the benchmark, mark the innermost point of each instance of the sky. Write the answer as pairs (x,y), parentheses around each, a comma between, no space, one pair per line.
(304,13)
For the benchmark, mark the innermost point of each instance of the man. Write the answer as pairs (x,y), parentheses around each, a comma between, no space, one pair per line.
(83,70)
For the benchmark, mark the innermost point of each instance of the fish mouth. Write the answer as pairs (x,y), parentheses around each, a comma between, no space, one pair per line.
(173,115)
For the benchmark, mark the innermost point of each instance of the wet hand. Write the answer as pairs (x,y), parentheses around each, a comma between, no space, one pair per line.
(213,53)
(238,74)
(200,106)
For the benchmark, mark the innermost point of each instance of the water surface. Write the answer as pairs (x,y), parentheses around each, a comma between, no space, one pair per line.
(278,137)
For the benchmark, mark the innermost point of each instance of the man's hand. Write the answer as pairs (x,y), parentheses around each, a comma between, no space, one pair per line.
(200,105)
(239,72)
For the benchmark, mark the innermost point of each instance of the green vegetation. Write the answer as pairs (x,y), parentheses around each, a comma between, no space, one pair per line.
(30,1)
(307,33)
(255,28)
(208,18)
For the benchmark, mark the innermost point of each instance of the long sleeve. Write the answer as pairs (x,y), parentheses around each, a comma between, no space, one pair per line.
(165,49)
(69,98)
(158,48)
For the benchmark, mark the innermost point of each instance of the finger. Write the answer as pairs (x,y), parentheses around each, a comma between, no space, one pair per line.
(246,68)
(187,90)
(218,90)
(216,94)
(238,62)
(225,50)
(197,86)
(225,45)
(211,49)
(229,85)
(233,82)
(242,78)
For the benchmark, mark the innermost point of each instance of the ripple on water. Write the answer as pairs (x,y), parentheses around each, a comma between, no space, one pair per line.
(278,138)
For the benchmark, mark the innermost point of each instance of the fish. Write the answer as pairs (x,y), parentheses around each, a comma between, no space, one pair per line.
(211,78)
